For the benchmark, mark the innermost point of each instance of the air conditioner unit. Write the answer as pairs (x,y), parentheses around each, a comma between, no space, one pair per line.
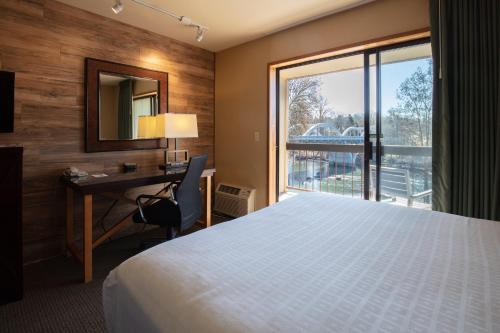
(234,200)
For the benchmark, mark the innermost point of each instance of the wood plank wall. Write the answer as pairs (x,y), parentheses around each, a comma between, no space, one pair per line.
(45,42)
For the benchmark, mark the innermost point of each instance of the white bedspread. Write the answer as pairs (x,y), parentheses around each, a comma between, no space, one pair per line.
(316,263)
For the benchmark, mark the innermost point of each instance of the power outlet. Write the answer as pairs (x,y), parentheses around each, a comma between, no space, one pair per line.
(256,136)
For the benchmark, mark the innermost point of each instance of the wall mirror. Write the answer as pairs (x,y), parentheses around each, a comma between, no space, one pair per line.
(116,96)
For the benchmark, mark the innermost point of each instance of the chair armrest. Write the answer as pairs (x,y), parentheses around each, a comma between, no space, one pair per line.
(176,183)
(417,196)
(170,186)
(149,197)
(421,194)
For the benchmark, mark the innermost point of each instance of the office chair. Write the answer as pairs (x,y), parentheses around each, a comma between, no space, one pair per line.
(182,209)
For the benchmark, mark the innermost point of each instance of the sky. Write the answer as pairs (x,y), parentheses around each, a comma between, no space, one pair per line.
(344,90)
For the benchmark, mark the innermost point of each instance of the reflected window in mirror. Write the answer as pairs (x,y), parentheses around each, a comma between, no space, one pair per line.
(122,100)
(143,106)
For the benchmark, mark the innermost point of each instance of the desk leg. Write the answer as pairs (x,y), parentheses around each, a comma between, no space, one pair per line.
(209,202)
(87,238)
(70,197)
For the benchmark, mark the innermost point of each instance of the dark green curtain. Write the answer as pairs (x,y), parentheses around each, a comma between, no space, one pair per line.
(125,110)
(466,107)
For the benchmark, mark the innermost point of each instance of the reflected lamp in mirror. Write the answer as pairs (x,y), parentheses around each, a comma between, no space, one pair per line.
(176,126)
(146,127)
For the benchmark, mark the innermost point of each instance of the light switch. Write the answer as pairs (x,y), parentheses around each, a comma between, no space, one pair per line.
(256,136)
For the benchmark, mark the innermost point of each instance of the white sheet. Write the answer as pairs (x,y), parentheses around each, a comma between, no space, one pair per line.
(316,263)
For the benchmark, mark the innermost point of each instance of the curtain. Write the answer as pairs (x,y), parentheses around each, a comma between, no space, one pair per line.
(125,110)
(465,36)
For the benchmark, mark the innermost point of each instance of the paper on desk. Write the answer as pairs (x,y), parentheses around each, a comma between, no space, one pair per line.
(100,175)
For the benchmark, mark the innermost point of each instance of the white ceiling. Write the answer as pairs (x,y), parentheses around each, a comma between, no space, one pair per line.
(230,22)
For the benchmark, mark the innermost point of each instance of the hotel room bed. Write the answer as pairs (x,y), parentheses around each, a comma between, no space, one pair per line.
(316,263)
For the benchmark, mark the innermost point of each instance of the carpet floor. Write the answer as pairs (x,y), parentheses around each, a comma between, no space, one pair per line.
(55,300)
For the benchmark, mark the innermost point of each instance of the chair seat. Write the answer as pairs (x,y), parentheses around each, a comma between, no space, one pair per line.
(163,213)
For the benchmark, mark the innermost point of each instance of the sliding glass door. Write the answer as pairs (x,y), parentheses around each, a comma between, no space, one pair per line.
(357,125)
(401,124)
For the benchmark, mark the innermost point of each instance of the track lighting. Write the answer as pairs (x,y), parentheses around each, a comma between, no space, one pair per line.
(184,20)
(118,7)
(199,34)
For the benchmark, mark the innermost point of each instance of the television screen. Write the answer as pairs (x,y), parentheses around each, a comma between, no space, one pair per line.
(6,102)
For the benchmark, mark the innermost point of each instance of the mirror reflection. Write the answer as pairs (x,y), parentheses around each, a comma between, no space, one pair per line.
(122,100)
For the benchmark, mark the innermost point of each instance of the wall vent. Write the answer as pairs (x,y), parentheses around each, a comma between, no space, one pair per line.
(234,200)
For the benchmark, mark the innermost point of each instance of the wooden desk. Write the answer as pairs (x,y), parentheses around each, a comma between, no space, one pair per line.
(118,182)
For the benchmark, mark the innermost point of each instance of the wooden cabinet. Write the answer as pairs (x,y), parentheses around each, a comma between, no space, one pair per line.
(11,256)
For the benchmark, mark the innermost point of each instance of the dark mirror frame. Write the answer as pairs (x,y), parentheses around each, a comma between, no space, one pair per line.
(93,68)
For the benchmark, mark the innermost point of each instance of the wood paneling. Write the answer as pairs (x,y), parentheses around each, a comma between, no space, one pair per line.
(45,43)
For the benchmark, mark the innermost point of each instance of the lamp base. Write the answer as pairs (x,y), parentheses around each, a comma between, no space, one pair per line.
(175,162)
(173,168)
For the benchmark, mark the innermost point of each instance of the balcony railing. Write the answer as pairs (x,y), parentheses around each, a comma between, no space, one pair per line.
(334,168)
(417,162)
(338,168)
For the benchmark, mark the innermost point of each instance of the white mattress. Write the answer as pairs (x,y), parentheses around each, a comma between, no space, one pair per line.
(316,263)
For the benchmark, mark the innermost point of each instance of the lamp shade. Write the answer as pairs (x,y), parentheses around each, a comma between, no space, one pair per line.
(146,128)
(176,125)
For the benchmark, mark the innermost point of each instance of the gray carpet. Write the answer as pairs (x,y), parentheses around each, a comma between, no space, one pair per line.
(55,300)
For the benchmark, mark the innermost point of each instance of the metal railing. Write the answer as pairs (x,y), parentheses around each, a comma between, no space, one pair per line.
(338,168)
(334,168)
(418,162)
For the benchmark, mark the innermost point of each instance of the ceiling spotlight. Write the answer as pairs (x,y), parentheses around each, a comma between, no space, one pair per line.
(186,21)
(118,7)
(199,34)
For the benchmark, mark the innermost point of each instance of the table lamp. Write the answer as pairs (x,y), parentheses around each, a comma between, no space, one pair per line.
(176,126)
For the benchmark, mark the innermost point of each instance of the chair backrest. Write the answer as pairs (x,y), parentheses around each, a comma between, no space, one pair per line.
(188,194)
(393,181)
